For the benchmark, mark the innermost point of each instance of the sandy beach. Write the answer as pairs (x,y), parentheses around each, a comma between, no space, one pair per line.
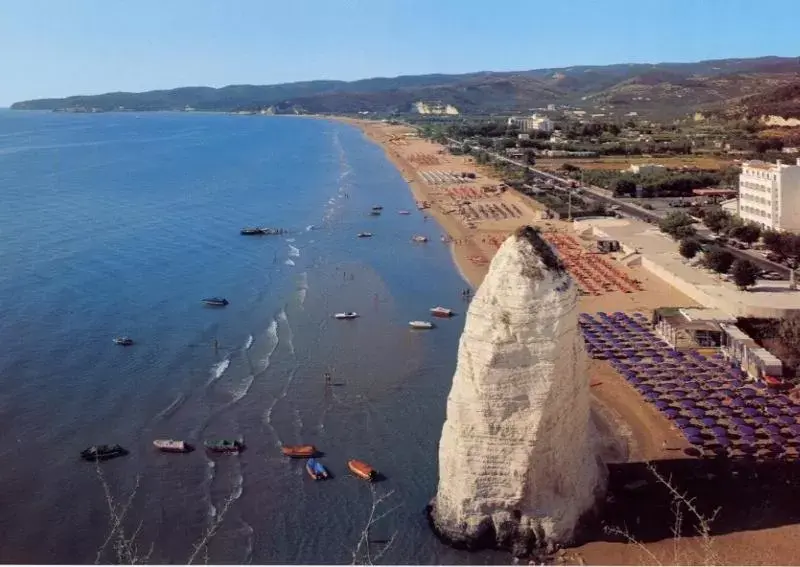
(475,219)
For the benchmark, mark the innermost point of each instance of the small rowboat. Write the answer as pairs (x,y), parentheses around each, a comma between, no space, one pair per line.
(403,212)
(420,324)
(347,315)
(224,446)
(299,451)
(774,382)
(364,234)
(420,238)
(102,452)
(216,301)
(377,208)
(362,470)
(441,312)
(123,341)
(171,446)
(315,469)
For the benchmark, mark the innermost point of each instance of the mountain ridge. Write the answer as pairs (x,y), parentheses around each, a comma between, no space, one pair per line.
(672,88)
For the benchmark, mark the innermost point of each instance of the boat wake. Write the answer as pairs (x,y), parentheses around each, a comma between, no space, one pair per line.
(170,409)
(294,252)
(249,342)
(302,288)
(217,370)
(289,263)
(211,468)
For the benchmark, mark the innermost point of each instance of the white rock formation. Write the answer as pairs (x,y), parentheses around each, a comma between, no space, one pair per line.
(517,460)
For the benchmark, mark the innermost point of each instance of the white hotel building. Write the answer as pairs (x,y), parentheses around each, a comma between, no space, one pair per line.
(769,194)
(532,123)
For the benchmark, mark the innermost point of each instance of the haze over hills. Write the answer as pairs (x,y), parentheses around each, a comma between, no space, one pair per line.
(665,89)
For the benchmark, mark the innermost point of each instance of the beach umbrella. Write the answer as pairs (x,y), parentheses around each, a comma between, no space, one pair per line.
(773,411)
(725,410)
(723,441)
(697,413)
(712,402)
(770,428)
(719,431)
(737,402)
(751,412)
(795,429)
(735,383)
(746,430)
(737,420)
(714,384)
(651,395)
(691,430)
(662,404)
(793,409)
(708,421)
(671,413)
(697,441)
(760,419)
(682,421)
(758,401)
(786,420)
(687,403)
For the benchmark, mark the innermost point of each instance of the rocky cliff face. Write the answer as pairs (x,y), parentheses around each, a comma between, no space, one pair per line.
(517,461)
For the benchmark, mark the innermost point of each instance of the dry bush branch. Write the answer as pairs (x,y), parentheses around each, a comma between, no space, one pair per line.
(680,500)
(126,550)
(363,545)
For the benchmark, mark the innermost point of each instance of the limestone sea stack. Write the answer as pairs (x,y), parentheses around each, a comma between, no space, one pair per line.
(518,466)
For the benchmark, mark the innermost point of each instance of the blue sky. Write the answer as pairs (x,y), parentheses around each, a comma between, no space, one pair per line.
(59,47)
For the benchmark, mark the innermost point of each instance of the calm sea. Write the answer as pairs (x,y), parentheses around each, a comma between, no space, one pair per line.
(117,224)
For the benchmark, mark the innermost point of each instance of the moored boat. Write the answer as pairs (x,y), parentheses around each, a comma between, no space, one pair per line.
(223,445)
(362,470)
(299,451)
(124,341)
(364,234)
(215,301)
(418,238)
(403,212)
(377,208)
(316,470)
(171,445)
(774,382)
(102,452)
(441,312)
(261,230)
(420,324)
(347,315)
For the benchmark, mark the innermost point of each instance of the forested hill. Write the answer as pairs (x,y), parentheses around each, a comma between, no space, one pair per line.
(671,88)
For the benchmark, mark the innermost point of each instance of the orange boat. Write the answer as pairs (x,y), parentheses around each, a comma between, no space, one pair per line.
(362,470)
(299,451)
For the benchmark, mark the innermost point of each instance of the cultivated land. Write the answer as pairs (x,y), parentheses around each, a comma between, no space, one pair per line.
(619,409)
(620,162)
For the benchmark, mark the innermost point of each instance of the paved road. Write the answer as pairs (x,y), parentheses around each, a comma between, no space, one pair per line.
(604,196)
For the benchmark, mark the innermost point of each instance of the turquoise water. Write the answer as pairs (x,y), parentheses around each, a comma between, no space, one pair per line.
(119,224)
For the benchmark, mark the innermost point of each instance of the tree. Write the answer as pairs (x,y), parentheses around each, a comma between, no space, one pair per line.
(773,241)
(689,247)
(716,220)
(678,225)
(747,233)
(569,168)
(623,187)
(744,273)
(718,259)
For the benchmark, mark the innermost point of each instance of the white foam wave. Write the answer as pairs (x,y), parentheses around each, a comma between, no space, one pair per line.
(241,391)
(301,296)
(289,340)
(289,263)
(218,369)
(294,251)
(290,240)
(272,340)
(238,487)
(310,227)
(249,342)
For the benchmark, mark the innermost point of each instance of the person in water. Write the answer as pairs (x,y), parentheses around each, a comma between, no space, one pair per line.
(327,377)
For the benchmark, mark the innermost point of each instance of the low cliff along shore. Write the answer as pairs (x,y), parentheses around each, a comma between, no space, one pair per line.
(519,464)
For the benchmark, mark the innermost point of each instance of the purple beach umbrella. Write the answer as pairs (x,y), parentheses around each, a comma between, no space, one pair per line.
(708,421)
(671,413)
(746,430)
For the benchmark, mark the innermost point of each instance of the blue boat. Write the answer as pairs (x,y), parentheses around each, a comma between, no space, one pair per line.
(216,301)
(315,469)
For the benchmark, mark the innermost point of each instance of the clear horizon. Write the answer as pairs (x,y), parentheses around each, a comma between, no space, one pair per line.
(92,47)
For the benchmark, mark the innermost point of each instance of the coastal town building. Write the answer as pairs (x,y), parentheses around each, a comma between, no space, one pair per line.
(769,194)
(533,123)
(646,168)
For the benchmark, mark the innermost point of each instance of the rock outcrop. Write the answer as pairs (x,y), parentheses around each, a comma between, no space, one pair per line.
(517,461)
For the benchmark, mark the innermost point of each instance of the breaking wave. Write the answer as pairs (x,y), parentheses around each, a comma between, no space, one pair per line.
(294,252)
(170,409)
(218,369)
(289,262)
(249,342)
(272,340)
(243,388)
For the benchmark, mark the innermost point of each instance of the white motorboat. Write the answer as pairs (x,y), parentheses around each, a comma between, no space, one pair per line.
(364,234)
(171,445)
(420,324)
(347,315)
(420,238)
(403,212)
(441,312)
(124,341)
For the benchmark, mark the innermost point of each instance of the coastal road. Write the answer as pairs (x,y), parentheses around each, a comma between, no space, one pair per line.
(605,196)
